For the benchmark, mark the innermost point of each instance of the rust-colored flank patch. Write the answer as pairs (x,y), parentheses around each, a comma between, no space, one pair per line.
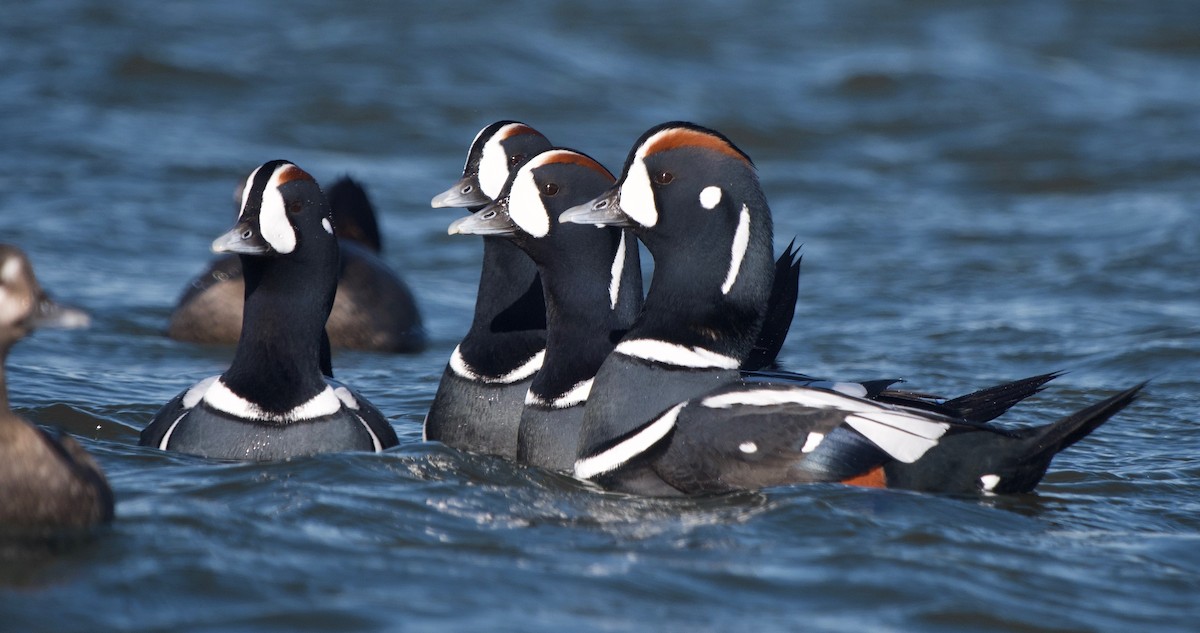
(874,478)
(686,137)
(292,172)
(572,158)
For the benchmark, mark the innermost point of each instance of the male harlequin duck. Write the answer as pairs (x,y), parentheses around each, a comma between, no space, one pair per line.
(590,283)
(668,412)
(482,392)
(48,484)
(277,399)
(373,310)
(479,402)
(590,306)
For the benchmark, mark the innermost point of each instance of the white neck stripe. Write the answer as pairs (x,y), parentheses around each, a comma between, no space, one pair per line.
(618,268)
(674,354)
(530,367)
(641,441)
(741,240)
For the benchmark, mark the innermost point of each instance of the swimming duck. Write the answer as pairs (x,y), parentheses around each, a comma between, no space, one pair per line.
(668,412)
(481,396)
(590,299)
(373,310)
(48,484)
(482,391)
(277,399)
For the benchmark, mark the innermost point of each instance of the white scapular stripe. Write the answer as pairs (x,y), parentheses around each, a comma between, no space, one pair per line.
(905,436)
(272,219)
(674,354)
(574,396)
(741,240)
(618,269)
(221,398)
(854,389)
(639,443)
(530,367)
(812,442)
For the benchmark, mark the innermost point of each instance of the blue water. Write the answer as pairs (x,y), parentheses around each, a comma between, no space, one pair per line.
(984,191)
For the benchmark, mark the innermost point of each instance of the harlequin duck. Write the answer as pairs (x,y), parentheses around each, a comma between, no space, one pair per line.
(49,485)
(276,401)
(480,398)
(590,283)
(482,391)
(373,310)
(668,412)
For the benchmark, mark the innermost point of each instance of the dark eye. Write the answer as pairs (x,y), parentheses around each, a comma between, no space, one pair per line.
(516,159)
(550,189)
(663,177)
(294,206)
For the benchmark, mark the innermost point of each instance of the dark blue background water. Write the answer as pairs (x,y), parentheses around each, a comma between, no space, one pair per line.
(984,190)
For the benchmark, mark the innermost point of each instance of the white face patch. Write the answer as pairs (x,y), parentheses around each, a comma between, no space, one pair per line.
(525,204)
(327,226)
(737,252)
(493,162)
(618,269)
(273,222)
(637,198)
(635,445)
(710,197)
(677,355)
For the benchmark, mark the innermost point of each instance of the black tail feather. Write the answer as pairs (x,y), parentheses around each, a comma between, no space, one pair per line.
(990,403)
(781,307)
(1053,438)
(978,407)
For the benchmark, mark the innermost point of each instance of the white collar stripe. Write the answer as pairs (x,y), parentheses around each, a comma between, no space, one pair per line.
(639,443)
(741,240)
(677,355)
(222,398)
(530,367)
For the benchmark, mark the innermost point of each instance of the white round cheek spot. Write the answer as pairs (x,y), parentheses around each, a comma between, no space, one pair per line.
(637,198)
(525,205)
(327,226)
(710,197)
(274,224)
